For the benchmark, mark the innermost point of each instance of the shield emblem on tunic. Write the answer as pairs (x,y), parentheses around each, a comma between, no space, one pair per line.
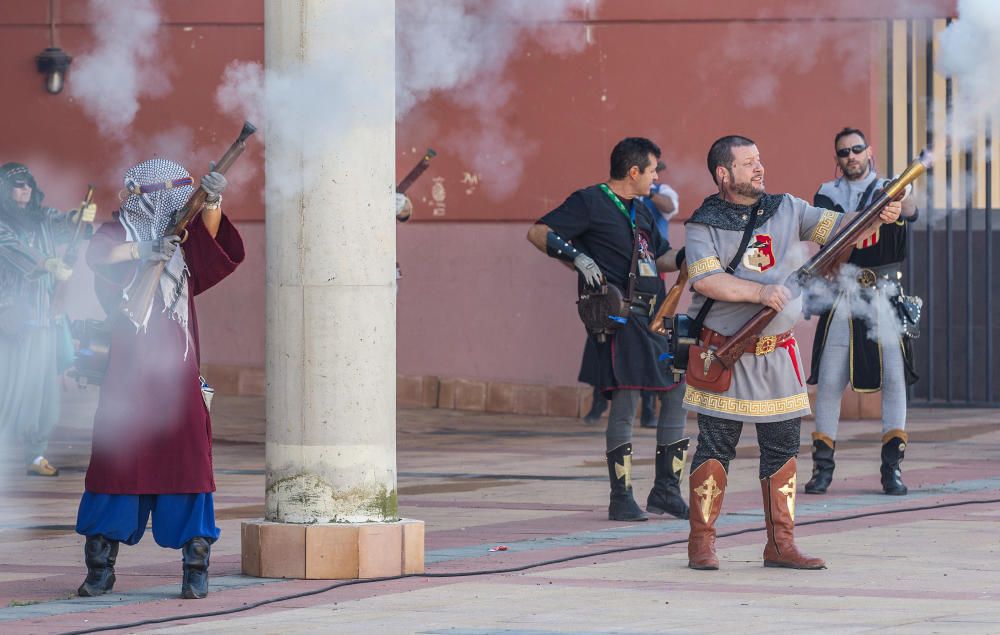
(759,255)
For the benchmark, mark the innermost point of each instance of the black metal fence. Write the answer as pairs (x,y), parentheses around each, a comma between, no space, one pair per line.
(950,250)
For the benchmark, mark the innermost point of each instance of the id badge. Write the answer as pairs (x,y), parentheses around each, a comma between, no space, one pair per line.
(646,268)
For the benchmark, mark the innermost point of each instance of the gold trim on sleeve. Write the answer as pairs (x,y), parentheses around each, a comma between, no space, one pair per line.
(823,228)
(747,407)
(705,265)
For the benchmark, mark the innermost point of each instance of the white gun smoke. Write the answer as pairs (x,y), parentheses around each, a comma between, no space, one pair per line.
(124,66)
(463,47)
(969,48)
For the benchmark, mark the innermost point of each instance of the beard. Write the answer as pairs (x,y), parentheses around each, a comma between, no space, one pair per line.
(855,171)
(748,189)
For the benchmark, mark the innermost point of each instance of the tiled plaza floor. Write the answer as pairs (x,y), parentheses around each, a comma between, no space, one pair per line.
(923,563)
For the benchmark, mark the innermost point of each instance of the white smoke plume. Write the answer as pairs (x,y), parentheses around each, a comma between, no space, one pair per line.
(969,49)
(124,65)
(844,290)
(454,46)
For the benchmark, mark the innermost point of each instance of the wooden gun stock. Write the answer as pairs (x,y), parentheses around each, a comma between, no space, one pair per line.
(143,288)
(668,308)
(417,170)
(69,257)
(828,260)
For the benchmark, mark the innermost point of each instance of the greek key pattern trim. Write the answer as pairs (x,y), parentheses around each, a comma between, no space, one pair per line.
(705,265)
(748,407)
(823,228)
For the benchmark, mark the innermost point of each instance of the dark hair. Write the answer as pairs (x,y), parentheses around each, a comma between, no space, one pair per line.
(846,132)
(721,152)
(632,151)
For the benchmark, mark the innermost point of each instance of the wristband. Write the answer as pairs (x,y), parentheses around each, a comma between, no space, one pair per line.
(557,247)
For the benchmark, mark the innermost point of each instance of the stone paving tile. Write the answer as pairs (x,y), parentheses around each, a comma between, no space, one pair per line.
(538,486)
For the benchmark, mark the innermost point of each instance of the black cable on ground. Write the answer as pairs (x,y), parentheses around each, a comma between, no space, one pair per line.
(525,567)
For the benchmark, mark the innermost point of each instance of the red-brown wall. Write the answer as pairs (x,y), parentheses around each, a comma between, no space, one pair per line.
(476,299)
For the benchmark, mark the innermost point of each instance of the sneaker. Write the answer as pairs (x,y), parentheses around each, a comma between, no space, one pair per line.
(42,468)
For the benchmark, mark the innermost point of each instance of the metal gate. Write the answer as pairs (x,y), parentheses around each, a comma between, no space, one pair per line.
(950,261)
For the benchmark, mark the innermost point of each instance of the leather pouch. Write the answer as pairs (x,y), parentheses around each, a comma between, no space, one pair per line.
(706,372)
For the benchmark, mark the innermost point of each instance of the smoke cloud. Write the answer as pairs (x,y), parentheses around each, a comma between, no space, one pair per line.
(454,46)
(969,49)
(124,66)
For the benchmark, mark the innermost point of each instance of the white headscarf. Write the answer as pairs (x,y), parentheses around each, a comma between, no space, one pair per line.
(146,216)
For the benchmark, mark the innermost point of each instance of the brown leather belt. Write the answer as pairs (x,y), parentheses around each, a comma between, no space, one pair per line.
(761,345)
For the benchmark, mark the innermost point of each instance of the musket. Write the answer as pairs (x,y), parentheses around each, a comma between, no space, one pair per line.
(417,170)
(69,257)
(828,260)
(142,291)
(668,307)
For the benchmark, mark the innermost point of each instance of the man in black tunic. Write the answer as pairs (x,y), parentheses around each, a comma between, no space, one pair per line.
(599,221)
(847,349)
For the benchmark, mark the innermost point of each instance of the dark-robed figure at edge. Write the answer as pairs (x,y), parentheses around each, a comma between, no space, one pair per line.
(35,346)
(152,448)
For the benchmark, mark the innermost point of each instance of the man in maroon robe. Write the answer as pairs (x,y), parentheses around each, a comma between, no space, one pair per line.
(152,447)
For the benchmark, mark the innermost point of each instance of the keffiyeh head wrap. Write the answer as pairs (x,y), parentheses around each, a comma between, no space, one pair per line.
(11,173)
(147,216)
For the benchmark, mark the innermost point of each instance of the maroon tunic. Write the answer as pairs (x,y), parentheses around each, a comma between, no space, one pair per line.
(152,432)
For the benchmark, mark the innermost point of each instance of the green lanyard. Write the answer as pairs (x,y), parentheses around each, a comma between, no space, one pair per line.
(629,213)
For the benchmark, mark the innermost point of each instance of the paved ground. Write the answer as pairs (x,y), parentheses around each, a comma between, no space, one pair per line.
(923,563)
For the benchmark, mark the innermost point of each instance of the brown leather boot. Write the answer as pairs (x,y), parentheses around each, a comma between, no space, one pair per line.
(779,516)
(708,486)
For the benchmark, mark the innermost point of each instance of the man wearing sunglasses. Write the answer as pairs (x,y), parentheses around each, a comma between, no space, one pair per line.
(844,351)
(35,346)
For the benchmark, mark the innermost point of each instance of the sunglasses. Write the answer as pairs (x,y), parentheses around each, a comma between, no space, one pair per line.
(846,152)
(19,184)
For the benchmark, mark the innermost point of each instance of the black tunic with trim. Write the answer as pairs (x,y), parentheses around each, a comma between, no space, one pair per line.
(866,366)
(630,358)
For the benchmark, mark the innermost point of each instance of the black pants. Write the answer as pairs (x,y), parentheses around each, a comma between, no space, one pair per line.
(717,439)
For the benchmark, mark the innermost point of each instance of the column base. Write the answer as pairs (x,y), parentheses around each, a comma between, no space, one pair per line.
(335,551)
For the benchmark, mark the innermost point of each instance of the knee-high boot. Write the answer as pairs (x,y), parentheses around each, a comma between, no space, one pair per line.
(665,497)
(779,516)
(622,505)
(708,487)
(194,585)
(100,555)
(893,447)
(823,464)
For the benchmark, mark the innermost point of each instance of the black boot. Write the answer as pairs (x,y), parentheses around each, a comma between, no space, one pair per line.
(822,476)
(665,497)
(195,583)
(597,407)
(100,554)
(893,446)
(647,416)
(623,506)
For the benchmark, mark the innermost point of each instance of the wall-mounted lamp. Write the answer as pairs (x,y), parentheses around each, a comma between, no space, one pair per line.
(53,63)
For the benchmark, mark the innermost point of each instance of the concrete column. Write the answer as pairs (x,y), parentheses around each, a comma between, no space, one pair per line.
(331,315)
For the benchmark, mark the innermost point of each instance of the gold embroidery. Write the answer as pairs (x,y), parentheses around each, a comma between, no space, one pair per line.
(823,228)
(766,344)
(625,470)
(708,491)
(788,489)
(704,265)
(749,407)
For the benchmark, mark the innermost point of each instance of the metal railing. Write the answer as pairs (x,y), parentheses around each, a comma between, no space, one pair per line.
(950,248)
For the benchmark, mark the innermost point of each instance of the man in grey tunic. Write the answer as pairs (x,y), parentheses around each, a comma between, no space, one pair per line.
(768,385)
(858,339)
